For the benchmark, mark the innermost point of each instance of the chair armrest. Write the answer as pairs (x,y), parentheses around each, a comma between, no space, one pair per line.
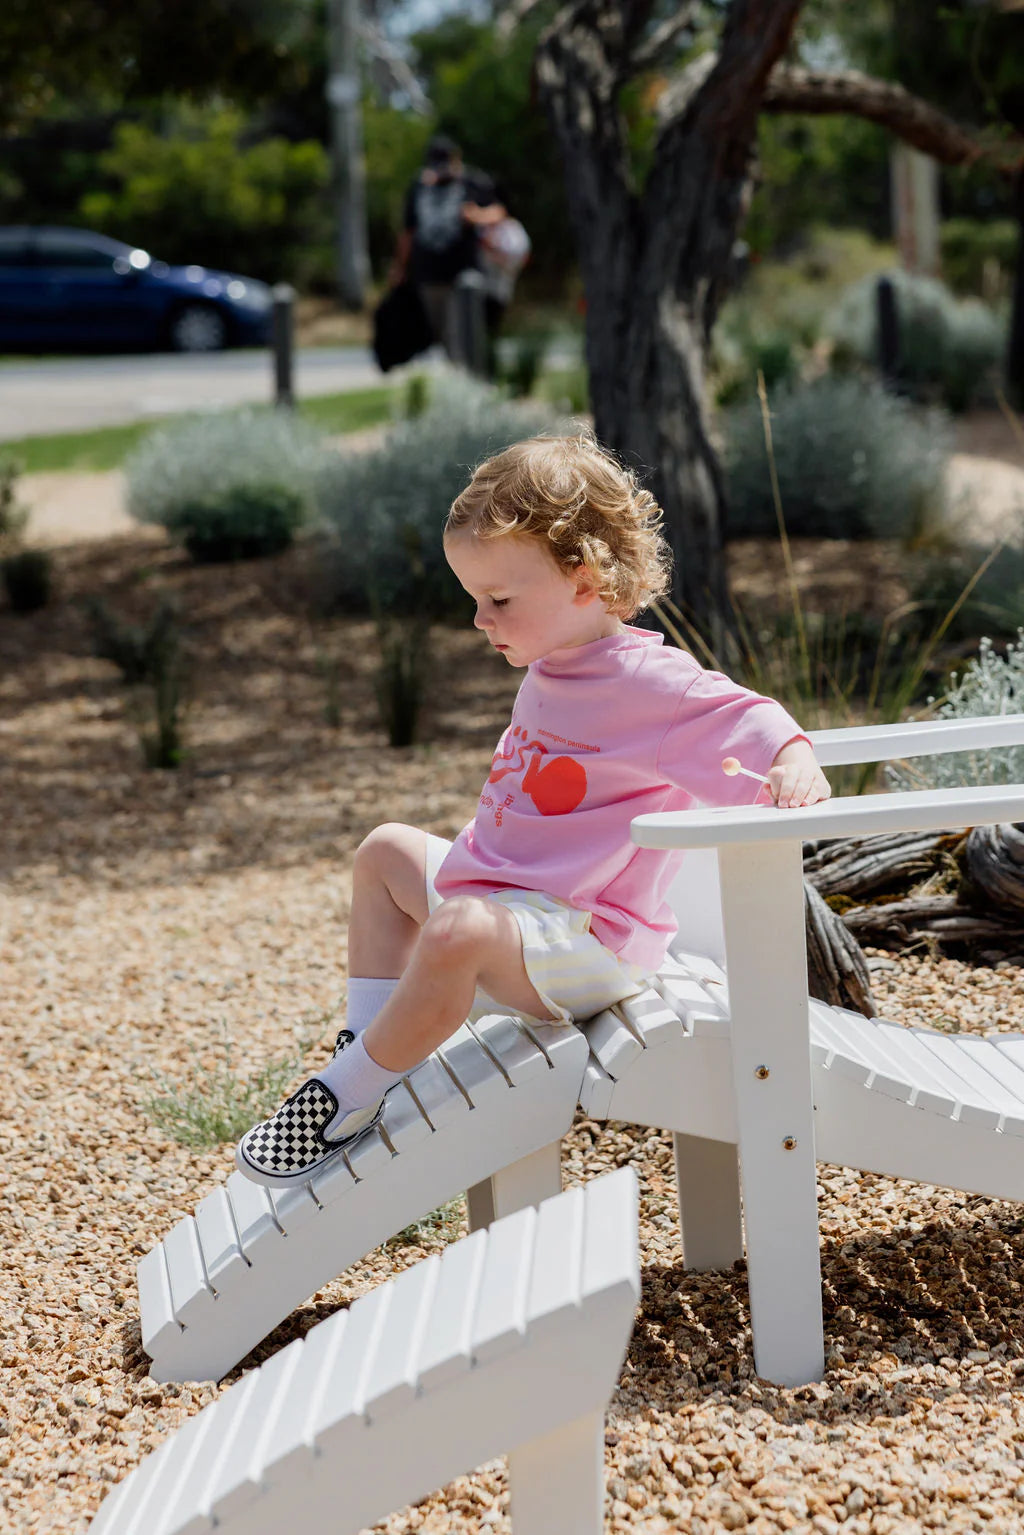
(862,815)
(884,743)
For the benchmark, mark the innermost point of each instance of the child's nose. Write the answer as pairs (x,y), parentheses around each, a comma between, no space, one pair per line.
(482,621)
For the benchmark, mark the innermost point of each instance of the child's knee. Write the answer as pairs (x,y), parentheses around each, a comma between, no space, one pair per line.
(460,929)
(380,847)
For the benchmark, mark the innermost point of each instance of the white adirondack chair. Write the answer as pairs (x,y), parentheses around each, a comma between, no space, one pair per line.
(510,1341)
(728,1069)
(930,1077)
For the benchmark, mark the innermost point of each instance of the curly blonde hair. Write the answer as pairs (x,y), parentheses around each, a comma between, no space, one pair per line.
(589,510)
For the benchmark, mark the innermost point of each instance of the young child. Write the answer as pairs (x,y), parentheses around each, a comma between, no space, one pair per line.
(543,906)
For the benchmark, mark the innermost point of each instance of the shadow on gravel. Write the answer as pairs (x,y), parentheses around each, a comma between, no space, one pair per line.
(893,1303)
(269,779)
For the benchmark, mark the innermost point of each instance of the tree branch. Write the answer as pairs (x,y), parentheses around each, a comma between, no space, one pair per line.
(914,121)
(819,92)
(510,17)
(384,52)
(578,72)
(650,53)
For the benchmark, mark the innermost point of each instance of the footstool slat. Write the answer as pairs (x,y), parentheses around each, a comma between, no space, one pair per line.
(499,1324)
(392,1377)
(448,1342)
(222,1252)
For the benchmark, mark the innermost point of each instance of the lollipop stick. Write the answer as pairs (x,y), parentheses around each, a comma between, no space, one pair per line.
(730,767)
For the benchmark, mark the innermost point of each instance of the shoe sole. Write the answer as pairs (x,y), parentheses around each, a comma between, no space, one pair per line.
(306,1175)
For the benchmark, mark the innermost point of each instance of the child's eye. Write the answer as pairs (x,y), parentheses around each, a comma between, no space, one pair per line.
(500,602)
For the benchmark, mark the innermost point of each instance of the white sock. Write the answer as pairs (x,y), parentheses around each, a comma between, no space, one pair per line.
(366,997)
(356,1081)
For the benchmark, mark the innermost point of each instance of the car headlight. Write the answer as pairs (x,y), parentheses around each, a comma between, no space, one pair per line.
(249,295)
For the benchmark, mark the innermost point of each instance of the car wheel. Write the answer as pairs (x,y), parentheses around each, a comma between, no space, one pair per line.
(198,328)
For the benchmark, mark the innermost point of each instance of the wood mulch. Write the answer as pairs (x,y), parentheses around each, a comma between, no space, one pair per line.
(151,921)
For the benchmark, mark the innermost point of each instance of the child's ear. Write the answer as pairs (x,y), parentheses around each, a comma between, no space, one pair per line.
(586,586)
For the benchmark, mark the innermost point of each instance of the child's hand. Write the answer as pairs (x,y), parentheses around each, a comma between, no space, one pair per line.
(795,778)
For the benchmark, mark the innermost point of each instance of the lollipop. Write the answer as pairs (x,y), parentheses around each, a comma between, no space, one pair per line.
(730,767)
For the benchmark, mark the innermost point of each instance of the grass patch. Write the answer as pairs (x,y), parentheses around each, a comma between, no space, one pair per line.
(108,446)
(350,412)
(217,1105)
(442,1225)
(86,451)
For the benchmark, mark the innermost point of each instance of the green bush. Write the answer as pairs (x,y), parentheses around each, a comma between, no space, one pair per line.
(978,257)
(949,350)
(231,486)
(852,462)
(200,193)
(138,651)
(995,603)
(742,355)
(990,684)
(383,511)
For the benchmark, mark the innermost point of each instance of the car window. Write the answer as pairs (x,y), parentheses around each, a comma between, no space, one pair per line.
(14,250)
(62,251)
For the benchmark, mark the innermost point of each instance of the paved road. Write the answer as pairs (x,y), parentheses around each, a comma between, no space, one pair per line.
(80,394)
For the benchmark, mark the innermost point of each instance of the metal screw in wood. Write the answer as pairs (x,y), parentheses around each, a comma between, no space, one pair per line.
(762,1073)
(789,1143)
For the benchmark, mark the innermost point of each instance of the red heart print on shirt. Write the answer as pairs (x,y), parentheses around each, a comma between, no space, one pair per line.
(556,788)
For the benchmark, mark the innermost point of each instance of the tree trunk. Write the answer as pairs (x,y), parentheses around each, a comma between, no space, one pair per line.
(654,263)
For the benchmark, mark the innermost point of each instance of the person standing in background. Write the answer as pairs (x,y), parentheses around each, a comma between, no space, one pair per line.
(446,209)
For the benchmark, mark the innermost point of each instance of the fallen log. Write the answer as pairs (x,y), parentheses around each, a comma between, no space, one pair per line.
(944,918)
(837,971)
(858,867)
(994,859)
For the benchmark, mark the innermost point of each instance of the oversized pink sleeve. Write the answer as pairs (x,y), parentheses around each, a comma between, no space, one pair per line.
(716,718)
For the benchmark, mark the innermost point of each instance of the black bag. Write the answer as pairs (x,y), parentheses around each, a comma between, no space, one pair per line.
(401,329)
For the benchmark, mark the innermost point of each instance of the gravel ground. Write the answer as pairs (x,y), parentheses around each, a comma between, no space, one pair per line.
(151,920)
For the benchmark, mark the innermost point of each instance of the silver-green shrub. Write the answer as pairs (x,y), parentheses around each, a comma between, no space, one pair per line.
(949,349)
(228,486)
(852,462)
(384,510)
(990,684)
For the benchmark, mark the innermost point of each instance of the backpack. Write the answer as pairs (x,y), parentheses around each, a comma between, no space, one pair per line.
(439,222)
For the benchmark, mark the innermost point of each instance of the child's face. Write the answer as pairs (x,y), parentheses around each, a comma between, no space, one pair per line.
(525,603)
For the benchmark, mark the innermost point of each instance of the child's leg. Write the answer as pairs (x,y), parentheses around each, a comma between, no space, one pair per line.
(389,906)
(389,900)
(468,942)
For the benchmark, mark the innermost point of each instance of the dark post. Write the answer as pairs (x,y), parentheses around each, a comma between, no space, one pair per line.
(1015,346)
(471,321)
(283,337)
(888,331)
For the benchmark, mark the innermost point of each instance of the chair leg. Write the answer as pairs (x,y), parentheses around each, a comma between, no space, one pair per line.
(526,1182)
(763,908)
(556,1483)
(708,1180)
(480,1205)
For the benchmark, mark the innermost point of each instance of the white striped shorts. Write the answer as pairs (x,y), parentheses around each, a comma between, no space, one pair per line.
(571,971)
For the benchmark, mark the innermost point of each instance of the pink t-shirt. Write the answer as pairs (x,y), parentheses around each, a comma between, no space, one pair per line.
(601,733)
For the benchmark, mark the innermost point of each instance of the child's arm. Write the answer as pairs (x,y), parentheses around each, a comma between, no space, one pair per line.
(795,778)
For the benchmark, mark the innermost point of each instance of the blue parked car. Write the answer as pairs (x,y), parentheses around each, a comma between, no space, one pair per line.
(68,289)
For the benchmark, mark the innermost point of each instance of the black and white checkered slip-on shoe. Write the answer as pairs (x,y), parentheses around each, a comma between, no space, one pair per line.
(290,1147)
